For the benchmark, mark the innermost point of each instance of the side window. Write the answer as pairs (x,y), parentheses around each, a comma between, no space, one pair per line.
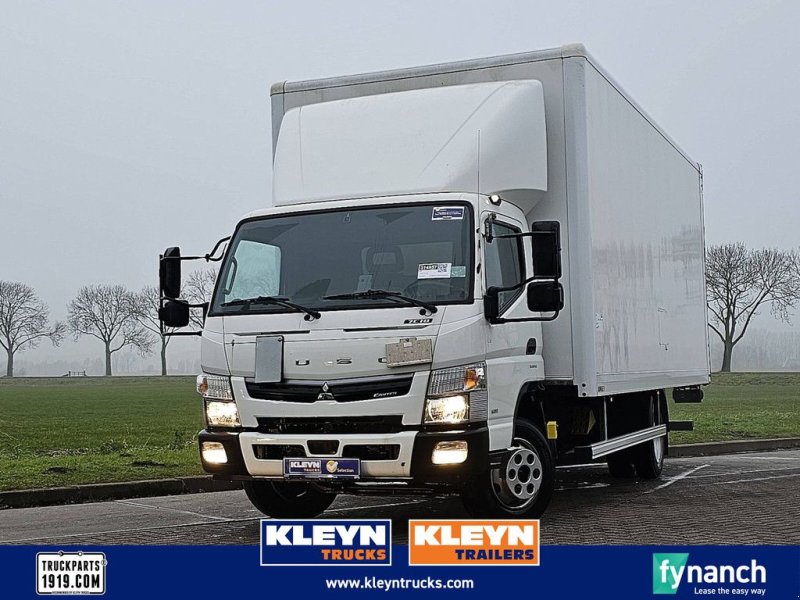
(504,263)
(255,271)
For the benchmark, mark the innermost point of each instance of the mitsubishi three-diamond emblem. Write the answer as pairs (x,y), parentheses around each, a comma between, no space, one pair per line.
(325,394)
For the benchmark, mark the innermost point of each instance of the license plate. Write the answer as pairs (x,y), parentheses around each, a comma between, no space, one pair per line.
(325,468)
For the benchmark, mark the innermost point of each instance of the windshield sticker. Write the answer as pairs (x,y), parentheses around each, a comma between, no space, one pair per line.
(458,271)
(364,282)
(434,271)
(448,213)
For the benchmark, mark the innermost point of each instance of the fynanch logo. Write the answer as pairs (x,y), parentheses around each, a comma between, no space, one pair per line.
(671,570)
(667,571)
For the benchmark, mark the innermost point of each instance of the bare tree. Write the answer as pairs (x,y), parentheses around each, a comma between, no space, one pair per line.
(198,288)
(146,305)
(24,321)
(108,312)
(739,282)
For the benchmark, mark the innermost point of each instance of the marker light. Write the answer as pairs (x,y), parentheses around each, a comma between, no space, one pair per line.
(450,453)
(214,386)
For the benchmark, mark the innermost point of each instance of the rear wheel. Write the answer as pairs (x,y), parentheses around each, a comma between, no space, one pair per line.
(293,500)
(648,458)
(522,485)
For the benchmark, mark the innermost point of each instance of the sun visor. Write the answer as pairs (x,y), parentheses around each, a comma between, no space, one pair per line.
(487,137)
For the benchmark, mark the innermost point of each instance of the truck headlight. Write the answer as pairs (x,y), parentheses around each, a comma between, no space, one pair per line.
(457,395)
(222,414)
(219,406)
(448,409)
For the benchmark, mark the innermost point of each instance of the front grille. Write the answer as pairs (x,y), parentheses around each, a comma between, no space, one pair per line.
(372,451)
(278,451)
(331,425)
(362,451)
(341,390)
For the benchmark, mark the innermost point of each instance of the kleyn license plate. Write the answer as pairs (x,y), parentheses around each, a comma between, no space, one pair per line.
(315,468)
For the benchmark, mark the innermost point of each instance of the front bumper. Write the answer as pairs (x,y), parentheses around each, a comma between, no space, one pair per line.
(410,464)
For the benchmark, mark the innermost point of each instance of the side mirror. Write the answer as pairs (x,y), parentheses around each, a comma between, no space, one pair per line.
(174,313)
(169,273)
(546,242)
(545,296)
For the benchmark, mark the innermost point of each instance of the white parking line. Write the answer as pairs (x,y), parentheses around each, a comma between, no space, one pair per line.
(128,530)
(177,510)
(769,457)
(374,506)
(677,478)
(756,479)
(729,473)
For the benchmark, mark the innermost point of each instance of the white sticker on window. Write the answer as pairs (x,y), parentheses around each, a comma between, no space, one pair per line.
(458,271)
(364,283)
(434,271)
(448,213)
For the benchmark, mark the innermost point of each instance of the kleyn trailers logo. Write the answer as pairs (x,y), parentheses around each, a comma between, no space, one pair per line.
(671,570)
(312,542)
(473,542)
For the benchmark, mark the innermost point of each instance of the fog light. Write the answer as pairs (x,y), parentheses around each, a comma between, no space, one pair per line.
(449,453)
(214,453)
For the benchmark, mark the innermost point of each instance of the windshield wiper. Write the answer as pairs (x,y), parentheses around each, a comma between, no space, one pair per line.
(310,312)
(384,294)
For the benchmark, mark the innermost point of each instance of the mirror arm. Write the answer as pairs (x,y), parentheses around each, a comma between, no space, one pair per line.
(500,320)
(490,236)
(493,291)
(203,305)
(206,257)
(510,288)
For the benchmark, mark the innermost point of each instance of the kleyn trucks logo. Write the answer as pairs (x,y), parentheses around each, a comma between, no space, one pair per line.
(671,571)
(473,542)
(312,542)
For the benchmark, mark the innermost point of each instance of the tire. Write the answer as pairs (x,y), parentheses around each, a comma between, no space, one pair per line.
(648,458)
(287,500)
(620,465)
(511,492)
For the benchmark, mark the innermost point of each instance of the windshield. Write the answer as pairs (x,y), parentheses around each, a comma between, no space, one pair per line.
(422,251)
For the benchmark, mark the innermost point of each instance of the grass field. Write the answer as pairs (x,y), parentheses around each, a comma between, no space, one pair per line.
(740,406)
(62,431)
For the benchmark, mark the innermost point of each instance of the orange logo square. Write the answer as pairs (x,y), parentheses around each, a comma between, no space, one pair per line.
(473,542)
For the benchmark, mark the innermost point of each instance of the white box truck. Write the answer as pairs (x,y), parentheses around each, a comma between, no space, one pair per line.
(471,272)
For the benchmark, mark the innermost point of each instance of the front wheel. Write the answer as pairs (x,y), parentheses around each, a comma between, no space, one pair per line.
(290,500)
(521,485)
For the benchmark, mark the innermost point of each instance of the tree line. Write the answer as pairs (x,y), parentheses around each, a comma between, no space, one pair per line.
(113,314)
(740,282)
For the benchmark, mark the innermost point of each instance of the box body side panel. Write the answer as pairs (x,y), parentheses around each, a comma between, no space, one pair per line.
(647,249)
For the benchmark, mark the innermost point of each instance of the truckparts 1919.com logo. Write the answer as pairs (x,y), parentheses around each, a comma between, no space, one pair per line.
(321,542)
(672,570)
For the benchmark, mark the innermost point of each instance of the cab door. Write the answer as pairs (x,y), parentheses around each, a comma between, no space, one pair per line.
(513,350)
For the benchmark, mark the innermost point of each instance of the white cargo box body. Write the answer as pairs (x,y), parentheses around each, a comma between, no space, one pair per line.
(629,201)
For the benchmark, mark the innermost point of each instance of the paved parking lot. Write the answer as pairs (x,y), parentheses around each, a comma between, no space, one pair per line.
(733,499)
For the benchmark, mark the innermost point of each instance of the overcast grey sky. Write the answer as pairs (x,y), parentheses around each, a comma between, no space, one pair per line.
(126,127)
